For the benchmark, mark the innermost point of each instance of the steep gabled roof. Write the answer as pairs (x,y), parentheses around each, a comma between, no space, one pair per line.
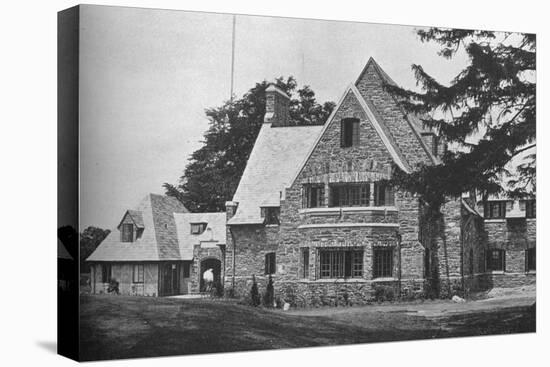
(158,240)
(62,252)
(214,233)
(414,121)
(276,156)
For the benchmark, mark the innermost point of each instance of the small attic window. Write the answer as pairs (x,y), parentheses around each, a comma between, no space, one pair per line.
(127,232)
(198,228)
(349,132)
(271,214)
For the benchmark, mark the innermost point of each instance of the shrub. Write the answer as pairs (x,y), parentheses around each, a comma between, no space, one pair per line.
(269,293)
(254,294)
(382,294)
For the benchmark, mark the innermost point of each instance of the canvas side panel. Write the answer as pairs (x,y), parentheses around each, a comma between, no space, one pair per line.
(67,175)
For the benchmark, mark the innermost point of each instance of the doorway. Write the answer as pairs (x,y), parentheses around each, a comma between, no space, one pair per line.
(216,266)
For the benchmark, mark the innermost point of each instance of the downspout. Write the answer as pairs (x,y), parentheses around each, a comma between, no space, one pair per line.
(234,261)
(399,261)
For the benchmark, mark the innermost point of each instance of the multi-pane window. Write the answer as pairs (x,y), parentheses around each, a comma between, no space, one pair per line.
(105,273)
(340,263)
(314,196)
(382,265)
(138,273)
(530,209)
(349,195)
(127,232)
(270,263)
(271,214)
(383,194)
(305,263)
(427,271)
(349,132)
(495,209)
(198,228)
(496,260)
(531,259)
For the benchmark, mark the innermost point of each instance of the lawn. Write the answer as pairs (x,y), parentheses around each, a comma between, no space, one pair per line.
(129,327)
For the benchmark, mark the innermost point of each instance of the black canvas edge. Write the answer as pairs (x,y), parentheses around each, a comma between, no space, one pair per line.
(68,23)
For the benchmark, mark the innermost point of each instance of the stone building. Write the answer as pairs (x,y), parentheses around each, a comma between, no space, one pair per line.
(159,249)
(312,210)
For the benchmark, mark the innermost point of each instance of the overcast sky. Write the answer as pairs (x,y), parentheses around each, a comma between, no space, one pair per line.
(148,75)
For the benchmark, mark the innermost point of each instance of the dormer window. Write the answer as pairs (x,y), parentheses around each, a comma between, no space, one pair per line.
(127,232)
(349,132)
(198,228)
(271,214)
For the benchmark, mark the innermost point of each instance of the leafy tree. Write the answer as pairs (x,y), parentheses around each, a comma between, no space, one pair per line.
(213,172)
(90,238)
(492,101)
(69,238)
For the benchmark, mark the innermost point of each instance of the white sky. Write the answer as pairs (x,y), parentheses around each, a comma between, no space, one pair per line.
(148,75)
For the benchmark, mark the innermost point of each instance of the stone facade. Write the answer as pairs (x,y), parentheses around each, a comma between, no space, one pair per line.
(430,254)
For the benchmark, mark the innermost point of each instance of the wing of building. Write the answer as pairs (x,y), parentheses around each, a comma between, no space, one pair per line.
(158,248)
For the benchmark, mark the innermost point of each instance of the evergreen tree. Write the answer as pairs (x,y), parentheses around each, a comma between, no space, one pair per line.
(213,173)
(487,115)
(254,293)
(269,294)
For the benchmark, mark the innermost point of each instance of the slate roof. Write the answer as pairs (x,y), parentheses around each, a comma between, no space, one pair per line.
(214,233)
(158,240)
(277,155)
(62,252)
(136,216)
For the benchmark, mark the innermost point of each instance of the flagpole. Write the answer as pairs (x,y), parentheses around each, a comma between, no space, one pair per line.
(233,58)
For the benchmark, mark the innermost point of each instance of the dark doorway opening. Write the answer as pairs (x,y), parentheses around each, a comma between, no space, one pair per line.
(216,266)
(169,279)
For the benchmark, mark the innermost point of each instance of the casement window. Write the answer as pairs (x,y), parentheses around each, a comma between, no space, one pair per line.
(127,232)
(383,195)
(270,263)
(186,270)
(471,262)
(349,195)
(138,273)
(382,265)
(531,259)
(271,214)
(314,196)
(198,228)
(427,269)
(105,273)
(495,209)
(435,145)
(340,263)
(530,209)
(305,263)
(496,260)
(349,132)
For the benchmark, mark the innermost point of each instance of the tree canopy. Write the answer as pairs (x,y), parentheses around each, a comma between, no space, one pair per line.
(487,115)
(90,238)
(213,172)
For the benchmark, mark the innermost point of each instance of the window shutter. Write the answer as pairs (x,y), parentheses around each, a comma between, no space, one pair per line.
(355,133)
(389,196)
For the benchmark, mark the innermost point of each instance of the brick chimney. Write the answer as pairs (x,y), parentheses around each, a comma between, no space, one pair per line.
(276,107)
